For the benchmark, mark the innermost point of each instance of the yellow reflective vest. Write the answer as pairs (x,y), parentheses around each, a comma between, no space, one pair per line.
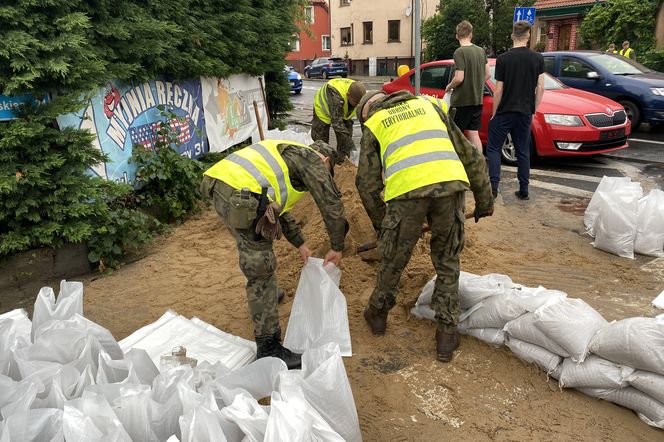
(626,53)
(321,106)
(611,52)
(415,148)
(436,102)
(257,166)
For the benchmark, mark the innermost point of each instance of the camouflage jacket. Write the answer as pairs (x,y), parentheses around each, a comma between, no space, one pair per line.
(343,129)
(369,180)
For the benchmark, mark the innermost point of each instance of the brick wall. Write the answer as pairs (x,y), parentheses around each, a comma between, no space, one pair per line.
(553,32)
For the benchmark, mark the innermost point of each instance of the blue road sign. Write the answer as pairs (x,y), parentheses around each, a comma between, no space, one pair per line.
(527,14)
(9,104)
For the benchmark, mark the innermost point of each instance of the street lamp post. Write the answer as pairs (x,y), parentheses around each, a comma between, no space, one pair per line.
(418,45)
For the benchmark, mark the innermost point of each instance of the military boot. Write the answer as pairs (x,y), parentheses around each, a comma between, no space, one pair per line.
(377,320)
(269,346)
(446,343)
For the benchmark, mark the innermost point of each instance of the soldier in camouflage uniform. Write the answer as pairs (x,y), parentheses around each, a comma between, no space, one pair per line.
(334,105)
(441,202)
(307,170)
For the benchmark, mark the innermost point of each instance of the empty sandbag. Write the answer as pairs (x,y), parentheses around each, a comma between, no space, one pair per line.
(40,425)
(319,314)
(635,342)
(650,383)
(492,336)
(523,328)
(15,397)
(533,354)
(607,184)
(91,418)
(649,238)
(594,372)
(648,409)
(570,323)
(69,303)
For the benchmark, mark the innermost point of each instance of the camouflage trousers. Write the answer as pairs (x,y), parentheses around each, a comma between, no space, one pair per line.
(321,131)
(258,264)
(400,230)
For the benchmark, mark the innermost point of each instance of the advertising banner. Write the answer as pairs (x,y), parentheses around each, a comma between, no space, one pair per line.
(229,111)
(123,115)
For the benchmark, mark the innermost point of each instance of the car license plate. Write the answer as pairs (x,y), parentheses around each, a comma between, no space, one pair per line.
(612,134)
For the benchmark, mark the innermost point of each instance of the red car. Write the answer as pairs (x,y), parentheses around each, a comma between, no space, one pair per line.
(568,122)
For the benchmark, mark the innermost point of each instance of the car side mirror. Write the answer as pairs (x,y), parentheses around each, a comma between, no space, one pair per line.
(592,75)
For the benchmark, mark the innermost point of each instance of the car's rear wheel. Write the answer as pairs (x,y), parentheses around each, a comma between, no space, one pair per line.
(306,74)
(298,92)
(325,76)
(633,112)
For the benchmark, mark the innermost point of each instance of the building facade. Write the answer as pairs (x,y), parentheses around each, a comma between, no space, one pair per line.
(557,23)
(305,47)
(371,33)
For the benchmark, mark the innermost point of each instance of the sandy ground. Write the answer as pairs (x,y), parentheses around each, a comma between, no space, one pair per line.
(401,392)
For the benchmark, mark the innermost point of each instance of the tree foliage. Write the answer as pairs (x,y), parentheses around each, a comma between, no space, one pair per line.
(618,20)
(70,48)
(439,31)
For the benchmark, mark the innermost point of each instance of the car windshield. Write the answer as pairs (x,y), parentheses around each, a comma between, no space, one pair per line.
(618,65)
(550,83)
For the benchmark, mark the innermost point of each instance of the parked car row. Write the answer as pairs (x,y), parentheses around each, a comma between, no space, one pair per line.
(326,67)
(568,122)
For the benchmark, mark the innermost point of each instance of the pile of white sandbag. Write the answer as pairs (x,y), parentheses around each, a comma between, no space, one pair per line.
(63,377)
(621,362)
(623,222)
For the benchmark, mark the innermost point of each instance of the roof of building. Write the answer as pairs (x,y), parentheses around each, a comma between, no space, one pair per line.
(548,4)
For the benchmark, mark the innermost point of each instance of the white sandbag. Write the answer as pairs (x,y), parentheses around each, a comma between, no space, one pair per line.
(594,372)
(69,303)
(142,365)
(532,298)
(423,312)
(422,308)
(615,226)
(325,386)
(649,383)
(41,425)
(103,335)
(91,418)
(15,397)
(523,328)
(258,378)
(635,342)
(201,425)
(493,312)
(131,404)
(607,184)
(289,134)
(650,225)
(474,288)
(68,383)
(319,314)
(251,345)
(648,409)
(295,420)
(21,323)
(171,330)
(249,415)
(492,336)
(533,354)
(570,323)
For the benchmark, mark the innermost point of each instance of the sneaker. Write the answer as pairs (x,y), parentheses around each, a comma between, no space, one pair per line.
(522,196)
(494,192)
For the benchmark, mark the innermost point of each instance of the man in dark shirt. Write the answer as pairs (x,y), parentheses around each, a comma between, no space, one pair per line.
(472,70)
(518,92)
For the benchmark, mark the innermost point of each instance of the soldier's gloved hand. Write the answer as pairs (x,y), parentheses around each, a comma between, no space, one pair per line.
(482,212)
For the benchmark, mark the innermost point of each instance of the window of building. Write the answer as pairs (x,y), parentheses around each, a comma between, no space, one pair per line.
(295,44)
(327,44)
(574,68)
(367,32)
(344,2)
(346,36)
(309,14)
(393,28)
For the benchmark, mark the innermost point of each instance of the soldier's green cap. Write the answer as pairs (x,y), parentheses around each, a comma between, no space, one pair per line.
(359,110)
(355,92)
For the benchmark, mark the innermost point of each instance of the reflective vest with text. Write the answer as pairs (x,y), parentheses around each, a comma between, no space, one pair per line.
(321,106)
(257,166)
(415,148)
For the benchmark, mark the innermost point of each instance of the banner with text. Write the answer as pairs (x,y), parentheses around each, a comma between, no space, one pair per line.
(229,110)
(123,115)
